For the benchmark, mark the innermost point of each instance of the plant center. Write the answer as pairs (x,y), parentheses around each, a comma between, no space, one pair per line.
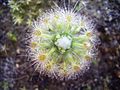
(63,43)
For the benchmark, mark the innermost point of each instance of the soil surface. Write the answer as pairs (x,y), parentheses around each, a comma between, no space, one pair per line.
(16,72)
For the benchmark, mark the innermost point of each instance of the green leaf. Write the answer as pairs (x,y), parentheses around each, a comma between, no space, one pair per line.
(12,36)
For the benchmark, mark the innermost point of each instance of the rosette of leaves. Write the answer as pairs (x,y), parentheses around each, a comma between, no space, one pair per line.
(24,11)
(61,44)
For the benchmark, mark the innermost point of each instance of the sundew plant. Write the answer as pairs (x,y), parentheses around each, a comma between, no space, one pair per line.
(62,43)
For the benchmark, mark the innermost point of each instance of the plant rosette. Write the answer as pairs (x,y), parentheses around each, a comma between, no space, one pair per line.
(62,44)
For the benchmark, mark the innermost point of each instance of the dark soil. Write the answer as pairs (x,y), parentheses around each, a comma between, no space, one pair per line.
(17,74)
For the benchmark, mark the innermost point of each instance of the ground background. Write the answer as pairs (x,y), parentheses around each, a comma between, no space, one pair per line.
(15,73)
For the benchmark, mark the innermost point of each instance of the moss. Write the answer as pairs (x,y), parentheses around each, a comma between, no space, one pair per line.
(24,11)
